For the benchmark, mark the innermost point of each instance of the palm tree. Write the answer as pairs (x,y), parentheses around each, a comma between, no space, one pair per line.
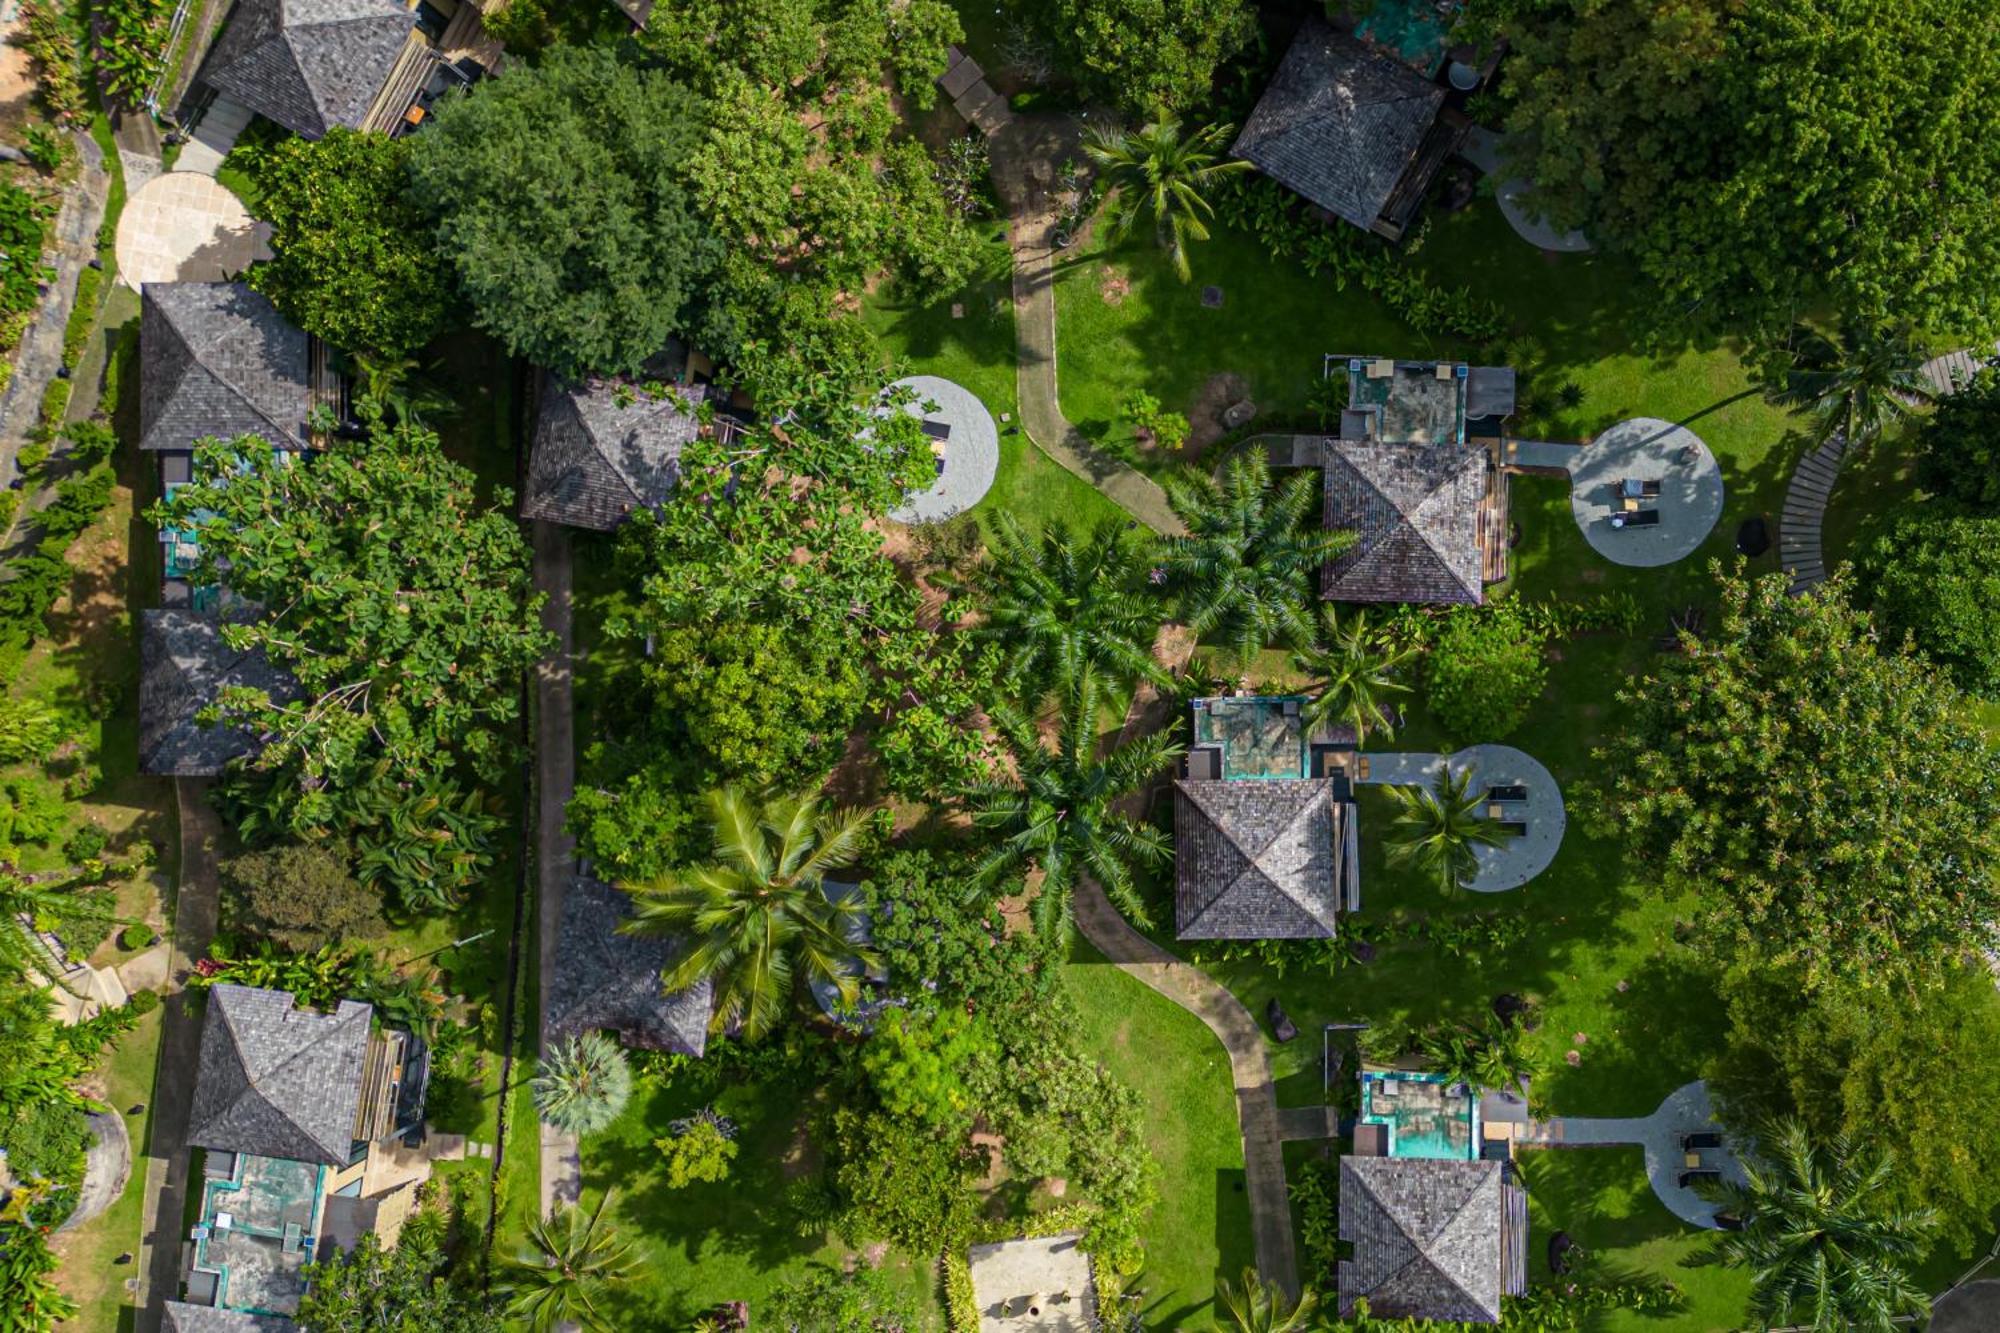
(1437,828)
(1857,383)
(1493,1057)
(1244,572)
(23,903)
(582,1085)
(1257,1306)
(1822,1243)
(1356,666)
(1164,171)
(573,1257)
(759,907)
(1059,815)
(1058,608)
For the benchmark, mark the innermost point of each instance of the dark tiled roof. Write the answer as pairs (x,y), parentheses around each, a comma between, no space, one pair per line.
(1255,859)
(1414,509)
(180,1317)
(309,64)
(1427,1237)
(639,11)
(183,665)
(1489,391)
(276,1080)
(217,359)
(608,981)
(1340,123)
(604,448)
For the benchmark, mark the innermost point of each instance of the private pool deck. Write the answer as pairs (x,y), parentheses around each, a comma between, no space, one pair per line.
(1260,736)
(1417,32)
(256,1232)
(1423,1116)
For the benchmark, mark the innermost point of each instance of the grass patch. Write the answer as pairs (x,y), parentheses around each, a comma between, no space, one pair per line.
(90,1273)
(1200,1229)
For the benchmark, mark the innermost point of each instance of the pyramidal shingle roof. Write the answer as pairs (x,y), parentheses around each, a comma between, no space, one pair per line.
(608,981)
(217,359)
(1255,859)
(309,64)
(183,666)
(1414,510)
(604,448)
(1340,123)
(1427,1237)
(276,1080)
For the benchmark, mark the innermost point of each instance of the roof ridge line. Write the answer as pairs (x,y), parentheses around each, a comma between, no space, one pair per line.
(1430,497)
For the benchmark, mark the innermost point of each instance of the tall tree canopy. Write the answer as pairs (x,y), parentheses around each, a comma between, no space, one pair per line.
(355,260)
(1760,157)
(1144,56)
(1931,575)
(1958,446)
(561,192)
(399,603)
(1825,797)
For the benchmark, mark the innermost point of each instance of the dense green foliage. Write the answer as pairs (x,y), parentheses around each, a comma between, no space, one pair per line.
(1058,606)
(1142,55)
(1437,829)
(1932,576)
(595,268)
(699,1150)
(1958,446)
(1822,795)
(1355,669)
(355,259)
(131,47)
(825,1301)
(572,1258)
(372,1290)
(301,896)
(1485,669)
(1164,173)
(1720,141)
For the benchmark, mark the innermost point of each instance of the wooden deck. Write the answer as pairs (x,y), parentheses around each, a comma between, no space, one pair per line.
(414,64)
(1447,135)
(1495,521)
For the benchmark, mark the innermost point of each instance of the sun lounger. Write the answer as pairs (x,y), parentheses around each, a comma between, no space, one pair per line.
(1514,827)
(1512,791)
(1645,518)
(937,430)
(1700,1142)
(1688,1178)
(1632,488)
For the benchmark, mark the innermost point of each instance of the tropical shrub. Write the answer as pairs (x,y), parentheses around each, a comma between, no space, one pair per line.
(916,1063)
(28,1290)
(1931,576)
(48,35)
(699,1148)
(582,1085)
(1485,669)
(131,46)
(301,896)
(1958,445)
(1166,430)
(1141,57)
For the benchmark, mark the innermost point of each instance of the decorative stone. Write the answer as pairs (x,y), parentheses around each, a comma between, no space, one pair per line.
(1282,1026)
(1238,414)
(958,310)
(1211,297)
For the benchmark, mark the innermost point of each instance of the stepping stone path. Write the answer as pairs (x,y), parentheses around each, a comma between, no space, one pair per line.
(971,95)
(1805,506)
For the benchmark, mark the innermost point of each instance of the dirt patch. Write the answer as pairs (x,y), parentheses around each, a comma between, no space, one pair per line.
(802,1156)
(1215,396)
(1113,286)
(17,75)
(91,612)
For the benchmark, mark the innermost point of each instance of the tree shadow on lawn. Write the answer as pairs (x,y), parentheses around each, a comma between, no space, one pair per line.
(1663,1030)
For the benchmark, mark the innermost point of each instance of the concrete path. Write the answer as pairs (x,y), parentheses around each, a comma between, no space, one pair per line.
(1026,153)
(166,1154)
(1482,149)
(555,850)
(1541,455)
(1799,553)
(1686,1110)
(187,227)
(1646,449)
(213,137)
(1519,859)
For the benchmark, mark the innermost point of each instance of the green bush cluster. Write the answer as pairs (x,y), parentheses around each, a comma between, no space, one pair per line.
(130,49)
(82,315)
(48,35)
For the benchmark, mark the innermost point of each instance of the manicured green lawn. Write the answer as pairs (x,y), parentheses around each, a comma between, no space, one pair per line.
(1200,1229)
(91,1274)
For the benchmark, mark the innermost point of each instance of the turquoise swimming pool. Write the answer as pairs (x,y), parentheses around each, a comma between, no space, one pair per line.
(1419,31)
(1423,1116)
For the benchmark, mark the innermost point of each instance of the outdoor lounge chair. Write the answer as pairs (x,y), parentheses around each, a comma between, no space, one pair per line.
(1632,488)
(1515,827)
(937,430)
(1512,791)
(1700,1142)
(1688,1178)
(1645,518)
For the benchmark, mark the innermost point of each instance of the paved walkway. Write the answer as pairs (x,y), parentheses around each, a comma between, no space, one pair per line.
(195,909)
(187,227)
(1799,553)
(213,137)
(1672,458)
(555,850)
(970,455)
(1686,1110)
(1026,152)
(1482,149)
(1519,859)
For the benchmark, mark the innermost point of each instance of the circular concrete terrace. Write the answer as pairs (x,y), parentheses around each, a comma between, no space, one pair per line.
(1526,798)
(1646,492)
(967,445)
(187,227)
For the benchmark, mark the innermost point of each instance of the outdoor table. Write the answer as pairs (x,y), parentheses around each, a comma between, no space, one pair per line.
(1693,1160)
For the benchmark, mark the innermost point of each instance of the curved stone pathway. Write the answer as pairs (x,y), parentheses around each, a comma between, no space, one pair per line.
(107,1166)
(1799,553)
(1026,152)
(1686,1110)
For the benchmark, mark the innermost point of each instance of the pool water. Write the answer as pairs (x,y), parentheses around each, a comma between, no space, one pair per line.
(1424,1120)
(1415,30)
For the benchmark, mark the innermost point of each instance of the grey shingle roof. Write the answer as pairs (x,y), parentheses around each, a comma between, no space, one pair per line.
(1489,391)
(1340,123)
(1427,1237)
(604,448)
(181,1317)
(183,665)
(1256,859)
(276,1080)
(217,359)
(1414,509)
(609,981)
(309,64)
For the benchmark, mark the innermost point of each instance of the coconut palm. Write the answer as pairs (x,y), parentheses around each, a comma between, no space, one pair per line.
(1495,1056)
(1057,607)
(1437,828)
(1856,383)
(759,908)
(572,1258)
(23,902)
(582,1084)
(1823,1244)
(1244,573)
(1057,812)
(1256,1306)
(1164,171)
(1356,666)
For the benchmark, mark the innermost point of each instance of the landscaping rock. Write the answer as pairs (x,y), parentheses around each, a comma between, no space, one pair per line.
(1212,297)
(1282,1026)
(1237,415)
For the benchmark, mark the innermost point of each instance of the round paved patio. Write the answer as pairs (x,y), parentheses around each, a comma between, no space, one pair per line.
(187,227)
(1685,1110)
(970,454)
(1521,857)
(1651,452)
(1972,1308)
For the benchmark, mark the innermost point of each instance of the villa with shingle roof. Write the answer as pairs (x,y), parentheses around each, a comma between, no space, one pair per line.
(605,980)
(277,1080)
(218,361)
(309,65)
(604,448)
(1352,129)
(183,667)
(1419,515)
(1432,1239)
(1264,845)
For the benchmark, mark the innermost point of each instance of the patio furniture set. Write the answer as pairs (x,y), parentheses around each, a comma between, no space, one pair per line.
(1500,801)
(1631,513)
(1695,1165)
